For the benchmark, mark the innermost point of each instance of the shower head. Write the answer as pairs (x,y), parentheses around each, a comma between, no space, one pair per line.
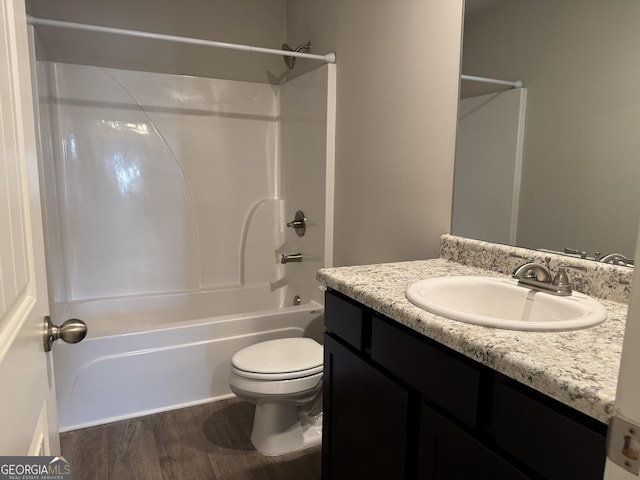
(291,61)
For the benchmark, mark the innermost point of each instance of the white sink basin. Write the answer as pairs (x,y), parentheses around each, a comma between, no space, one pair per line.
(501,303)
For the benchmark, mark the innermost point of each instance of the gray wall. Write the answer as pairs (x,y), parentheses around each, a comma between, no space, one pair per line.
(579,62)
(397,92)
(254,22)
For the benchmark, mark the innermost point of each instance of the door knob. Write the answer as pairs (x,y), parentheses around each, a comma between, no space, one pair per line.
(71,331)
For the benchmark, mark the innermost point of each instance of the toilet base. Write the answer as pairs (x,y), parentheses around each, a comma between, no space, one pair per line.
(280,428)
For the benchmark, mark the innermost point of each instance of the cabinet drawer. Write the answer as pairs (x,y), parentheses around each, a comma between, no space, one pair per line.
(437,375)
(344,319)
(548,441)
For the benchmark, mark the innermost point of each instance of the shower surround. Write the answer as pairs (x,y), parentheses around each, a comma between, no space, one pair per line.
(163,190)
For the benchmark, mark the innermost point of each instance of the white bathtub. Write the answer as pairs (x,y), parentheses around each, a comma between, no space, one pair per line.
(149,354)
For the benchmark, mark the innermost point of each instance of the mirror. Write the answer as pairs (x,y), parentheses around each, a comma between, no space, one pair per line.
(580,169)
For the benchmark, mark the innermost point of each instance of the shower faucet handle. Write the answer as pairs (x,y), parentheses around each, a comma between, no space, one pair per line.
(299,223)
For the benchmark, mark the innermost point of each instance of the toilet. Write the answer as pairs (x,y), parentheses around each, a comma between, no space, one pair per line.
(283,378)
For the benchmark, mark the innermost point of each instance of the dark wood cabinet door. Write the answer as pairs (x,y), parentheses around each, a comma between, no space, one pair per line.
(550,442)
(447,452)
(364,433)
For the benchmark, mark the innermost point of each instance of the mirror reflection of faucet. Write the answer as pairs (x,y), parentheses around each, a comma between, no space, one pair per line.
(617,259)
(611,258)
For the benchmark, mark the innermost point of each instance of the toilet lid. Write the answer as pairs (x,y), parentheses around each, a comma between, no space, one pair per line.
(280,356)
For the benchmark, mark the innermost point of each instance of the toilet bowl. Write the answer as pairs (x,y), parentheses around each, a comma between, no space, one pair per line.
(284,379)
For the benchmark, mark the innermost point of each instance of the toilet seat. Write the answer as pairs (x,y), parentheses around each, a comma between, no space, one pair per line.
(281,359)
(276,376)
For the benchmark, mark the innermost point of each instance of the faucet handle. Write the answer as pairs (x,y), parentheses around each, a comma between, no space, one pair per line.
(561,279)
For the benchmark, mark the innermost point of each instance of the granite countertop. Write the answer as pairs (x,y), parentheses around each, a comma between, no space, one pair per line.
(579,368)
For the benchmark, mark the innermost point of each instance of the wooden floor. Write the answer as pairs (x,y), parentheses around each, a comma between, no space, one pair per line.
(204,442)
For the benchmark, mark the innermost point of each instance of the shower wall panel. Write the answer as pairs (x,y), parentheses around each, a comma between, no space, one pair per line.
(156,176)
(307,133)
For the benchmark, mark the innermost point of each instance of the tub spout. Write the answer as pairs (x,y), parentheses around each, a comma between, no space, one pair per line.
(295,257)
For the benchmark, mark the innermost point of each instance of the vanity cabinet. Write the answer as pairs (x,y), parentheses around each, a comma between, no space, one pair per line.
(398,405)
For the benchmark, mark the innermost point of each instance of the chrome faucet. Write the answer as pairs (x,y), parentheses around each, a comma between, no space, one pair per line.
(538,276)
(295,257)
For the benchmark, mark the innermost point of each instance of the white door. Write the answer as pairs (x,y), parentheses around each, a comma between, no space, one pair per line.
(627,403)
(28,422)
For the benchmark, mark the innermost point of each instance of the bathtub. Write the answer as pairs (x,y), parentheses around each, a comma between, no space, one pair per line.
(149,354)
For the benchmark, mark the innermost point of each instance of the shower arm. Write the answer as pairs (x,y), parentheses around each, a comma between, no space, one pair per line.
(289,59)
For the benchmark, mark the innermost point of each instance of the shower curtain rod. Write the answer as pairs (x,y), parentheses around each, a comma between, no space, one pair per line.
(512,84)
(328,58)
